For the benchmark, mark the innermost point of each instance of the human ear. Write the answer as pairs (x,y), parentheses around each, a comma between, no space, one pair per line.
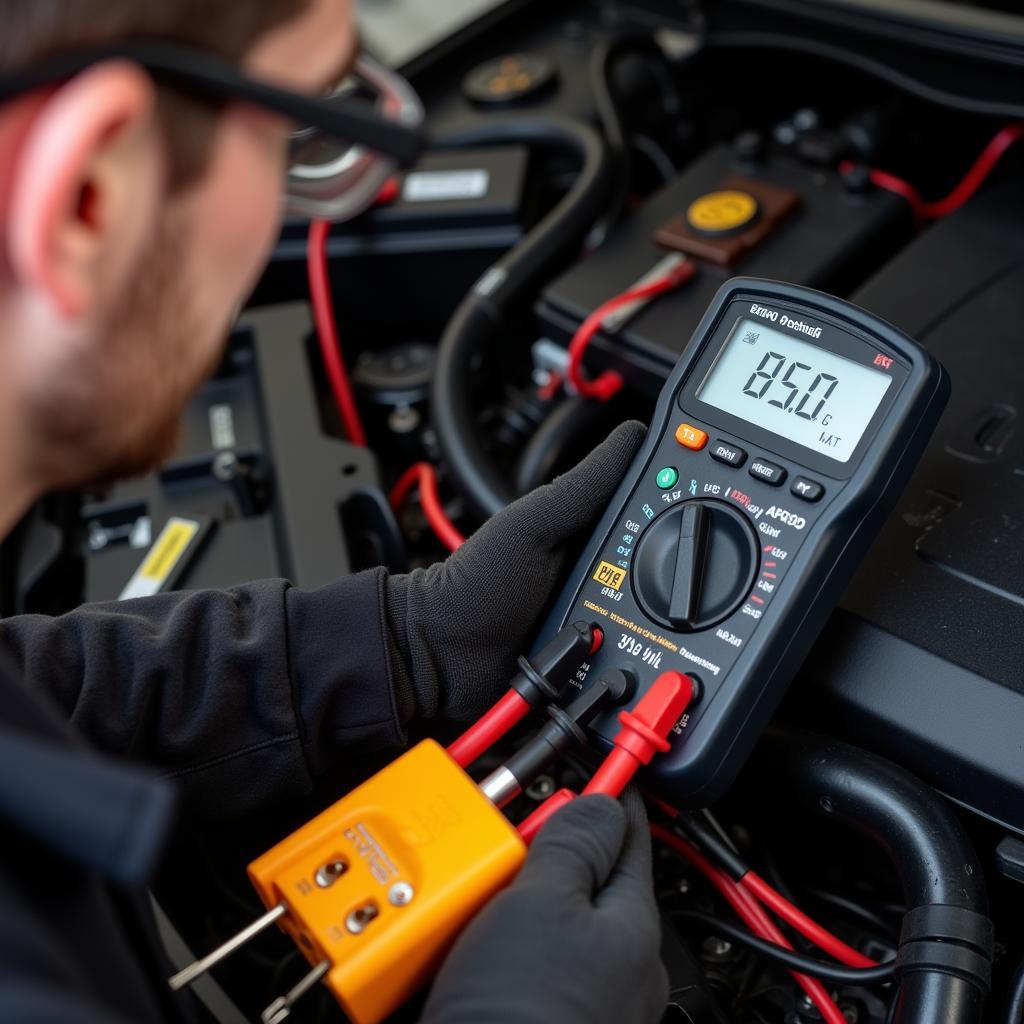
(86,187)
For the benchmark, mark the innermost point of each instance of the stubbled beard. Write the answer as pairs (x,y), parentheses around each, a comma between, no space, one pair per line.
(119,415)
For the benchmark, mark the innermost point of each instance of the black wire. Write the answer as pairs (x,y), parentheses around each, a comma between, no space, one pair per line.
(774,874)
(569,423)
(865,915)
(719,828)
(509,286)
(656,156)
(834,973)
(705,837)
(890,1015)
(1015,1004)
(603,58)
(867,65)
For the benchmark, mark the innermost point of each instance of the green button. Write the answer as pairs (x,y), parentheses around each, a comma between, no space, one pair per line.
(668,477)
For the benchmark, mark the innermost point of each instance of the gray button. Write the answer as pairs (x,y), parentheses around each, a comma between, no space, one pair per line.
(809,490)
(762,469)
(730,454)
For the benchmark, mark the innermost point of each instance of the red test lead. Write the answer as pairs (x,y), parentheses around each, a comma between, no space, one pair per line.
(739,872)
(644,732)
(539,682)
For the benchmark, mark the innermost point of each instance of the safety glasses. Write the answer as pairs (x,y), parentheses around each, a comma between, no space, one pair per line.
(344,146)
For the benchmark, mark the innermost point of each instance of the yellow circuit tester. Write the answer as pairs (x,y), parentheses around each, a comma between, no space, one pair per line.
(375,889)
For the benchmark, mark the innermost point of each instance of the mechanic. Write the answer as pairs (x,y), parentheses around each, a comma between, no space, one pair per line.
(134,221)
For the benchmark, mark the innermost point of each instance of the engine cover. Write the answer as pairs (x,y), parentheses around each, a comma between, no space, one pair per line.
(925,661)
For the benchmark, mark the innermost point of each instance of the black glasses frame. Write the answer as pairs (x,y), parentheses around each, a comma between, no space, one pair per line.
(206,74)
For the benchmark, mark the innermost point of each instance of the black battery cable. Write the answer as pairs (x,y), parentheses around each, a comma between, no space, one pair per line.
(506,287)
(835,973)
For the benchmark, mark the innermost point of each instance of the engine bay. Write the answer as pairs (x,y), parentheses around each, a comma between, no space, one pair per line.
(581,153)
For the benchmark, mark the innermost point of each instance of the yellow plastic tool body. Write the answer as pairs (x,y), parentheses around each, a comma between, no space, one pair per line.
(382,882)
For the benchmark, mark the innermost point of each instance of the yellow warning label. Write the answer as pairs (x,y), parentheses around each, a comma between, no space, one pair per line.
(168,549)
(609,575)
(725,210)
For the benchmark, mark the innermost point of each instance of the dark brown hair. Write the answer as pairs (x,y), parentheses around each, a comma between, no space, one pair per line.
(30,29)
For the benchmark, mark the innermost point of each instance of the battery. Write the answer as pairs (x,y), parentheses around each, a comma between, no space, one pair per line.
(830,238)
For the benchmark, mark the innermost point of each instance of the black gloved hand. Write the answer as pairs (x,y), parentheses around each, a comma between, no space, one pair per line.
(458,627)
(574,939)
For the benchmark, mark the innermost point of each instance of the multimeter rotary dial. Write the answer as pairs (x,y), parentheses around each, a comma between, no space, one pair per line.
(695,565)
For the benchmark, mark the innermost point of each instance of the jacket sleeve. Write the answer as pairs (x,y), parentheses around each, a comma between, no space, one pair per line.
(241,696)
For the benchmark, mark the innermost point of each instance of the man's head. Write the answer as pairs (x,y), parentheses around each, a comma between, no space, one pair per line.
(133,220)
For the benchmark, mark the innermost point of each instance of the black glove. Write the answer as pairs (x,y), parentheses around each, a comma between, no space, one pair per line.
(458,627)
(574,939)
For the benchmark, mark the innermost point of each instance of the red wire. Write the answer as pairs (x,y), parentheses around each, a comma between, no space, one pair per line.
(969,184)
(531,825)
(388,193)
(614,774)
(793,915)
(807,927)
(889,182)
(610,383)
(406,482)
(975,177)
(551,388)
(753,916)
(483,734)
(327,331)
(423,475)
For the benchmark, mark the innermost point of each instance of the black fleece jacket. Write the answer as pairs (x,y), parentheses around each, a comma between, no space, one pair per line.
(230,699)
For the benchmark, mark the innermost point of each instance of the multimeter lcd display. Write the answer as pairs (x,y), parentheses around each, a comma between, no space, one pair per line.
(802,392)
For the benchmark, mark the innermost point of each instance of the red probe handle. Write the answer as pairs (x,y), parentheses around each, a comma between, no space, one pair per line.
(644,732)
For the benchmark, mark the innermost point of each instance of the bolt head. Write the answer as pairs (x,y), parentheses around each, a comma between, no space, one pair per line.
(716,947)
(400,894)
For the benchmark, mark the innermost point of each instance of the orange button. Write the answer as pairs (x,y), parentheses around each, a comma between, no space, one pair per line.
(691,437)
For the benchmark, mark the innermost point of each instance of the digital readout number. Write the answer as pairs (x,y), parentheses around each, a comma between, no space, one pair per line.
(767,373)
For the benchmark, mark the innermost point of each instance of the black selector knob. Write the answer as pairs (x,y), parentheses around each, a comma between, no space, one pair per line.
(695,565)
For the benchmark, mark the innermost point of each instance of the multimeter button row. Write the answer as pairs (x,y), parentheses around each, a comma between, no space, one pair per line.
(732,455)
(802,487)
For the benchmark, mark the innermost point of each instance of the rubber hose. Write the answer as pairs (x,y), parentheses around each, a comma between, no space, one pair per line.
(934,859)
(1015,1001)
(840,54)
(603,58)
(508,284)
(561,428)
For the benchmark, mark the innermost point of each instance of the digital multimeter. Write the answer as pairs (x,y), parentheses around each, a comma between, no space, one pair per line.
(778,446)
